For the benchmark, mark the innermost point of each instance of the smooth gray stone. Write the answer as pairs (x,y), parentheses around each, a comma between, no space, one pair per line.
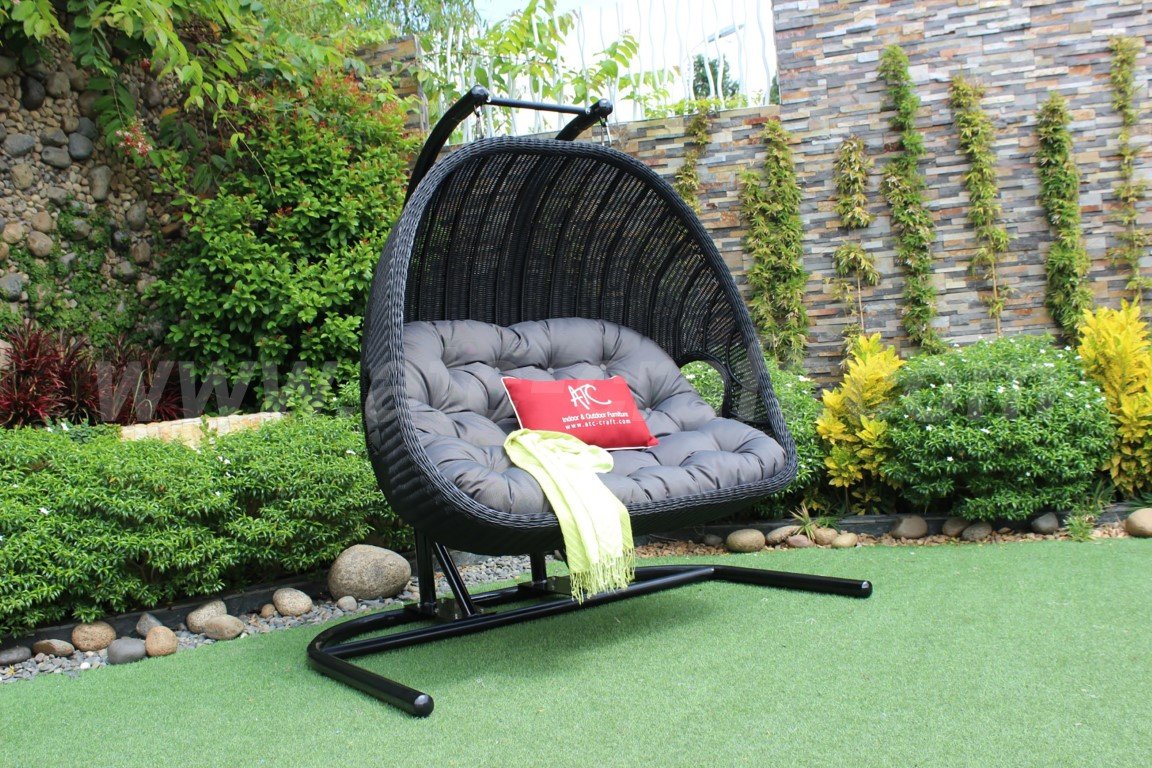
(57,85)
(14,655)
(12,286)
(87,128)
(977,532)
(137,216)
(1046,524)
(99,181)
(54,138)
(56,195)
(126,650)
(32,93)
(23,175)
(56,157)
(147,623)
(19,144)
(7,66)
(910,527)
(80,147)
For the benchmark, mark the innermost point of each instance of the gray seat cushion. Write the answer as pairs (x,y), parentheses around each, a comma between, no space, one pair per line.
(462,413)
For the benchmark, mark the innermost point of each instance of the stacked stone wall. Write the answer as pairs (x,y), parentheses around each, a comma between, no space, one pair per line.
(56,166)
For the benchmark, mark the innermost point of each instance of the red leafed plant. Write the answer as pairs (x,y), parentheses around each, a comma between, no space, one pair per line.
(44,377)
(137,385)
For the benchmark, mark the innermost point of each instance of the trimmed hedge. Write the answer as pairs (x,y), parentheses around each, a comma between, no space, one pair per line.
(1000,429)
(91,525)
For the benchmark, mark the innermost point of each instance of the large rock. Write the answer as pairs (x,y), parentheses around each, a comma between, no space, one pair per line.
(745,540)
(781,534)
(1139,523)
(13,232)
(161,641)
(15,655)
(1046,524)
(846,540)
(7,66)
(19,144)
(825,536)
(126,650)
(291,602)
(85,127)
(23,175)
(87,104)
(40,244)
(81,229)
(32,93)
(11,286)
(137,216)
(223,627)
(54,138)
(146,623)
(954,526)
(799,541)
(57,85)
(910,527)
(80,147)
(99,182)
(366,572)
(42,221)
(56,157)
(196,619)
(977,532)
(347,604)
(53,647)
(93,637)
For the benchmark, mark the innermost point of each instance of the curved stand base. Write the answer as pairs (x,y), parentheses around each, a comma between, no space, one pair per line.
(330,650)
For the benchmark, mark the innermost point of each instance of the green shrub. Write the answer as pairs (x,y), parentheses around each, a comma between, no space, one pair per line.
(800,407)
(277,263)
(91,525)
(999,429)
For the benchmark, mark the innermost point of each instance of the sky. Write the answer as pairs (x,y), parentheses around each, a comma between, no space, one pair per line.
(671,32)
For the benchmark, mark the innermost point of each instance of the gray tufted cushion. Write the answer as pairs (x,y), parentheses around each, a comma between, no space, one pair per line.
(462,414)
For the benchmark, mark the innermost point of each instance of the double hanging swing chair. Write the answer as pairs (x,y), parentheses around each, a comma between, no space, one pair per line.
(548,259)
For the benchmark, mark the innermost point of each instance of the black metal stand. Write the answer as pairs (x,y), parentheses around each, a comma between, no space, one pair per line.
(330,650)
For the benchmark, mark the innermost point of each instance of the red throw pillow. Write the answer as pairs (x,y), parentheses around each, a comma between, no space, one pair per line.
(598,411)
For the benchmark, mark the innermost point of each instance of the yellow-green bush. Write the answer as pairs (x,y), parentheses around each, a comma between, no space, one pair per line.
(857,438)
(1116,352)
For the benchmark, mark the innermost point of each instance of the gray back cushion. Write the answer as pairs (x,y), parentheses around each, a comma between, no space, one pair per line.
(461,411)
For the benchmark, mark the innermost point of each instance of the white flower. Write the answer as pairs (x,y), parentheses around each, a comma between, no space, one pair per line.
(218,493)
(63,426)
(44,511)
(949,458)
(350,452)
(928,428)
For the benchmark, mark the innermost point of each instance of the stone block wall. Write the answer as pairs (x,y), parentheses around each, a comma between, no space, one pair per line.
(1020,50)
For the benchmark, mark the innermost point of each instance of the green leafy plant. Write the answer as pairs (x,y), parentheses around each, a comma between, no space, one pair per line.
(206,46)
(998,429)
(770,202)
(852,426)
(91,525)
(1080,526)
(1115,352)
(1130,191)
(853,266)
(275,266)
(807,524)
(977,135)
(1067,295)
(903,187)
(686,182)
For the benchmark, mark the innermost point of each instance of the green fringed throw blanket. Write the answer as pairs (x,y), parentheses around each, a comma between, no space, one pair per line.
(597,530)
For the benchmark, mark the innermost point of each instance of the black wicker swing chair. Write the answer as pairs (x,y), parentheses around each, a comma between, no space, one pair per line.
(547,258)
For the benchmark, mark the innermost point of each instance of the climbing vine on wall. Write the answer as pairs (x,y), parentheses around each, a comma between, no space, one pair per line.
(903,186)
(770,202)
(687,179)
(977,134)
(1067,294)
(1134,240)
(854,267)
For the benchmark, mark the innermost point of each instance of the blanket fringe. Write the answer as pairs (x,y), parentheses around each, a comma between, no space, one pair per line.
(604,576)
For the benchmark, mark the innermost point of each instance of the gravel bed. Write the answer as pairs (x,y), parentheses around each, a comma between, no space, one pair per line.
(484,572)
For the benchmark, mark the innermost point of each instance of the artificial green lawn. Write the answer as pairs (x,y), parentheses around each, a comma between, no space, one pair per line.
(1030,654)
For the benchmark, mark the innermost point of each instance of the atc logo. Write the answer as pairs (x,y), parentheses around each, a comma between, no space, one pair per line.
(582,396)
